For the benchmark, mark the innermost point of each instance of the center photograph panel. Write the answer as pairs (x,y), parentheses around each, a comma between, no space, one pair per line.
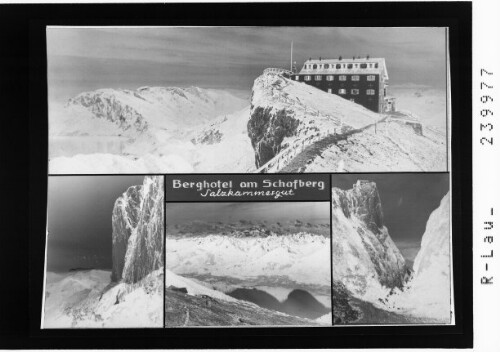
(244,264)
(247,250)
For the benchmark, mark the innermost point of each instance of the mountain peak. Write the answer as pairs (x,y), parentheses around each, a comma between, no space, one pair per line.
(138,231)
(362,202)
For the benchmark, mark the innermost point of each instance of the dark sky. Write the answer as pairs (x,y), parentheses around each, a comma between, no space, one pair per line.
(79,219)
(82,59)
(407,201)
(313,212)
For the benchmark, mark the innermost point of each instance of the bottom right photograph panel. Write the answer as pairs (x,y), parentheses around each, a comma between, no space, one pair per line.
(391,249)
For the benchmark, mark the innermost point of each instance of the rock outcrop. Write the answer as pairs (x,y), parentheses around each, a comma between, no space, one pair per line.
(285,112)
(267,129)
(365,259)
(138,231)
(105,104)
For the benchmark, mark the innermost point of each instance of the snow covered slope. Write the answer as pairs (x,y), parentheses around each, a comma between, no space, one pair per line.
(287,116)
(87,299)
(302,257)
(365,259)
(138,231)
(284,111)
(223,145)
(428,292)
(428,103)
(393,146)
(152,129)
(161,107)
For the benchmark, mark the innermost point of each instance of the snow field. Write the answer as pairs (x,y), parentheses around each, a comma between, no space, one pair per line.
(85,299)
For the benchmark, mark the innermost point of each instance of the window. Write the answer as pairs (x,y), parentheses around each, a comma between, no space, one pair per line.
(363,66)
(315,66)
(307,78)
(342,78)
(327,66)
(354,91)
(342,91)
(349,66)
(376,65)
(370,78)
(338,66)
(296,78)
(370,92)
(329,78)
(355,78)
(317,78)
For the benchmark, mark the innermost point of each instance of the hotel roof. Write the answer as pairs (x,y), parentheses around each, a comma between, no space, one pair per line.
(356,63)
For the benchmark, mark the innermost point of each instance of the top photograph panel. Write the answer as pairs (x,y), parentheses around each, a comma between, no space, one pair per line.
(146,100)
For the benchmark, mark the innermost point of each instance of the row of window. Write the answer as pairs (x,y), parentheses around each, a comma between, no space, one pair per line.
(354,91)
(340,66)
(341,78)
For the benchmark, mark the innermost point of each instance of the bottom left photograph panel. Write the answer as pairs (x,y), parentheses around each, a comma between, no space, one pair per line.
(104,264)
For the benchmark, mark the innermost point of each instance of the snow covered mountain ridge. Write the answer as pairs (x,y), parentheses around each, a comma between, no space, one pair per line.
(163,107)
(296,127)
(151,129)
(138,231)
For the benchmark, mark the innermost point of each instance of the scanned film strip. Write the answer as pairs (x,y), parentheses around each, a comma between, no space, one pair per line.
(258,186)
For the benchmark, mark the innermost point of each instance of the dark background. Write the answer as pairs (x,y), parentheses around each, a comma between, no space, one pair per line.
(23,94)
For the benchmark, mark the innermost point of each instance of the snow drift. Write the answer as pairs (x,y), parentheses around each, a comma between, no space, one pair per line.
(88,299)
(428,293)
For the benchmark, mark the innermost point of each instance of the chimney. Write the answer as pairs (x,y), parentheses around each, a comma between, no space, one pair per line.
(368,56)
(340,58)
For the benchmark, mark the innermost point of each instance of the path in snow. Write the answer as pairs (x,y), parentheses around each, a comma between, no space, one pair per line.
(316,148)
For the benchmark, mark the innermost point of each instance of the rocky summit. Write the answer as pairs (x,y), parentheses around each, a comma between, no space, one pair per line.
(365,258)
(138,231)
(363,201)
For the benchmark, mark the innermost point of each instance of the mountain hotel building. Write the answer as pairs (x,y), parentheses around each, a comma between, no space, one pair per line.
(361,80)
